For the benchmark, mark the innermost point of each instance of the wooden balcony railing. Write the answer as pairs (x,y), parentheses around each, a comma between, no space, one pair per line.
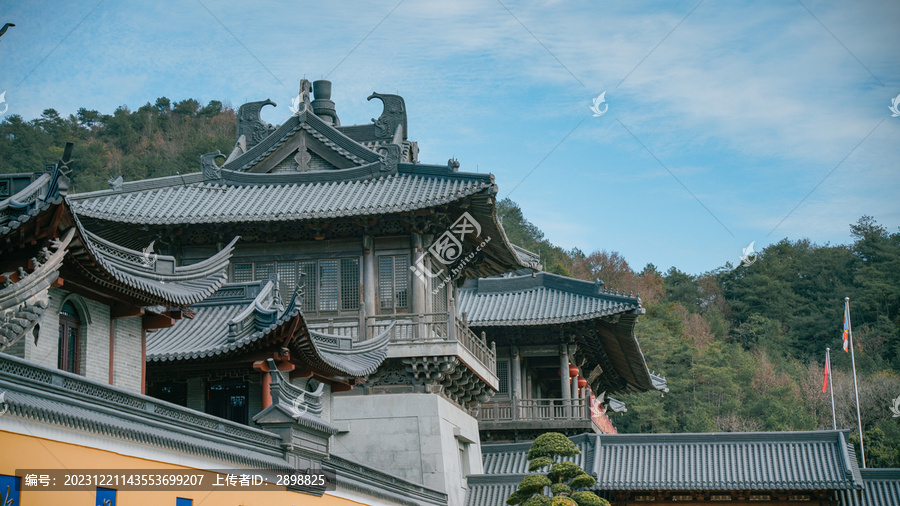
(477,346)
(434,327)
(505,410)
(412,328)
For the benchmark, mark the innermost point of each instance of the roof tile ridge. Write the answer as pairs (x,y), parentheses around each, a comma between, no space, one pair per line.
(141,185)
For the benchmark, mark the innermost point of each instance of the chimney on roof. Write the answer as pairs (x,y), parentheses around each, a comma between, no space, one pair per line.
(322,105)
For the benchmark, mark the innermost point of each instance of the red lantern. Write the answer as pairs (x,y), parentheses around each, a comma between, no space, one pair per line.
(573,370)
(582,382)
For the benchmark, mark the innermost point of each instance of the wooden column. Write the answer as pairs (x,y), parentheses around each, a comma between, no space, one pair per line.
(564,372)
(418,285)
(428,305)
(370,294)
(516,379)
(574,384)
(143,360)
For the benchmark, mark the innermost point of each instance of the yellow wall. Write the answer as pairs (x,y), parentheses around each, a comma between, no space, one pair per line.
(27,452)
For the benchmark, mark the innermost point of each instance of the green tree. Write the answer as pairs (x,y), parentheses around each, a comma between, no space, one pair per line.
(566,480)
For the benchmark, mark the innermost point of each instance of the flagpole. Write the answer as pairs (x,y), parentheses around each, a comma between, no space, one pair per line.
(830,385)
(862,449)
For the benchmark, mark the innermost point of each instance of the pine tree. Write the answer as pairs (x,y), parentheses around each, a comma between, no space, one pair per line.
(567,481)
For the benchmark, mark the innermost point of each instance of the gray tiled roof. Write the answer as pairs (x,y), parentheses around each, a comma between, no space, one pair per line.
(312,124)
(27,203)
(727,461)
(511,458)
(491,490)
(243,315)
(550,299)
(156,282)
(160,279)
(882,488)
(278,197)
(541,299)
(202,336)
(817,460)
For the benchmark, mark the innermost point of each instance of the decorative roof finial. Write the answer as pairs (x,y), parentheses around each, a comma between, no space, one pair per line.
(250,125)
(393,115)
(305,90)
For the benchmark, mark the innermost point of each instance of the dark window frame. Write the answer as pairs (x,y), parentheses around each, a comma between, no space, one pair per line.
(399,295)
(70,337)
(320,297)
(221,396)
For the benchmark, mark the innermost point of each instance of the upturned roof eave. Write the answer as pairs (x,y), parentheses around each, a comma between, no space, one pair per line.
(290,329)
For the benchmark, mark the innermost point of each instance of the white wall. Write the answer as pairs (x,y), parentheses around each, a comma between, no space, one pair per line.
(413,436)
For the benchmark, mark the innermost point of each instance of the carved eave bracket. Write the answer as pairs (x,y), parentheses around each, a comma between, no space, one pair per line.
(444,375)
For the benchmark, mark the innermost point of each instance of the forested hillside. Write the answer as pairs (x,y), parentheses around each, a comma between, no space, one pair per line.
(742,348)
(155,140)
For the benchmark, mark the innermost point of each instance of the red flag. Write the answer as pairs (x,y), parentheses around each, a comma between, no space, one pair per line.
(846,328)
(825,382)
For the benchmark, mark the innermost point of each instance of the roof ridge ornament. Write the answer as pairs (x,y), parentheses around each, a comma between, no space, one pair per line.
(301,101)
(211,171)
(116,184)
(393,115)
(390,158)
(251,125)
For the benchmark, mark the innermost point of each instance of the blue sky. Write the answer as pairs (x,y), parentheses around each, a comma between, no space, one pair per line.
(728,121)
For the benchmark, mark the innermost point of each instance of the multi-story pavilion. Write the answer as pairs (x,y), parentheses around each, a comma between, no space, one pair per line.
(341,214)
(75,312)
(544,325)
(337,335)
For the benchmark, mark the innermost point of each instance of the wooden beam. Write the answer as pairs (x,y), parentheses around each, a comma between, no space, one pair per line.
(122,310)
(157,321)
(548,350)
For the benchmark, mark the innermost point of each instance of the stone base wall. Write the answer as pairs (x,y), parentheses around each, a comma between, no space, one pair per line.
(423,438)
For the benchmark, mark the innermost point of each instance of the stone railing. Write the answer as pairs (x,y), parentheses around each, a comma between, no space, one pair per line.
(487,355)
(342,326)
(433,328)
(421,327)
(505,410)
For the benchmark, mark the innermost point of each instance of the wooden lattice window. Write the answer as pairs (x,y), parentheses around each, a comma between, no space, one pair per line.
(393,283)
(241,273)
(69,339)
(503,377)
(328,286)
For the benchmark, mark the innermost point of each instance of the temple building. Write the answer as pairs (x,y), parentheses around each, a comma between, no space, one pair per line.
(82,316)
(316,298)
(564,347)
